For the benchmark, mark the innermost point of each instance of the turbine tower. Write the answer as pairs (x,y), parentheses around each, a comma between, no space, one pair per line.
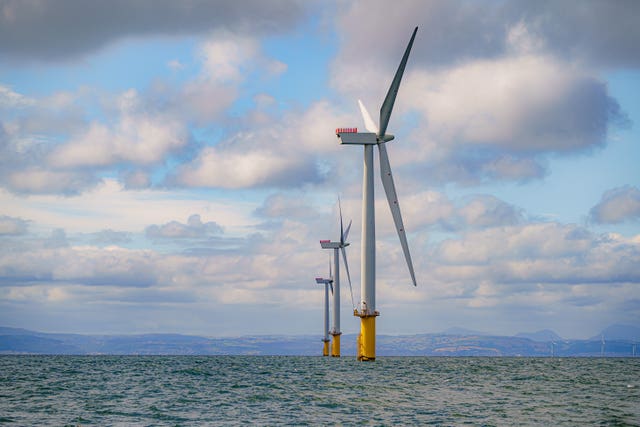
(327,283)
(376,136)
(337,247)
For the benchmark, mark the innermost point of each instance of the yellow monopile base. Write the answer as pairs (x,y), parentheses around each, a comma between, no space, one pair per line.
(325,348)
(335,346)
(367,338)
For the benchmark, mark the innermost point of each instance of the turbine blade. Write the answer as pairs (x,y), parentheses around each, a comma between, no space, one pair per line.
(392,198)
(331,287)
(369,124)
(346,267)
(387,105)
(341,227)
(346,233)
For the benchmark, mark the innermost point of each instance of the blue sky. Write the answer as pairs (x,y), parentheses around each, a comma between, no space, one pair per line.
(170,167)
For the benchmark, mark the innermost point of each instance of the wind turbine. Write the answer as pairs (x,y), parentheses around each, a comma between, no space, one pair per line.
(327,283)
(337,246)
(376,136)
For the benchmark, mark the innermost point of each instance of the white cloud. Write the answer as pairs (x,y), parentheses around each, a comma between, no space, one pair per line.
(175,65)
(282,153)
(488,211)
(617,205)
(240,169)
(225,57)
(540,253)
(43,181)
(140,129)
(137,139)
(10,226)
(10,99)
(136,179)
(194,228)
(492,97)
(518,104)
(109,204)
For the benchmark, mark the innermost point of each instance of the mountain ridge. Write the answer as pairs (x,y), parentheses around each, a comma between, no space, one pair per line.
(24,341)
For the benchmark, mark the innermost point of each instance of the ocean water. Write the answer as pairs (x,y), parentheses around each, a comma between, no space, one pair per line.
(264,390)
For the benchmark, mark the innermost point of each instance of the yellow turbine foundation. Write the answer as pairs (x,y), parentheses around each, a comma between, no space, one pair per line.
(335,345)
(325,348)
(367,338)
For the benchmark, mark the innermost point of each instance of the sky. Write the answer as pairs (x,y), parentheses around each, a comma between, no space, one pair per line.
(171,166)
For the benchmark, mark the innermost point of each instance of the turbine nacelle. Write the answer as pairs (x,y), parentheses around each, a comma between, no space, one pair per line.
(362,138)
(328,244)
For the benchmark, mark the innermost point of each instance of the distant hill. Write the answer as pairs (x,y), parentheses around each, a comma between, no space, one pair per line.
(545,335)
(462,331)
(22,341)
(619,332)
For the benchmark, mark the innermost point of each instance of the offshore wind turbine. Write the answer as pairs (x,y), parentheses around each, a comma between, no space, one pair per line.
(327,283)
(366,347)
(337,247)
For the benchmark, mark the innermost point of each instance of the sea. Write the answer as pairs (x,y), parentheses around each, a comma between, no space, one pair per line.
(291,390)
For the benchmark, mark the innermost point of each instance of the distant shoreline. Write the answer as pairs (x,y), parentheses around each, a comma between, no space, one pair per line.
(24,342)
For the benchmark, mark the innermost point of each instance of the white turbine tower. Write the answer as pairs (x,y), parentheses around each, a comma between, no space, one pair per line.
(337,246)
(376,136)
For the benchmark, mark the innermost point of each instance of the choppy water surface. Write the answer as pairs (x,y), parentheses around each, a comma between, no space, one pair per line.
(227,390)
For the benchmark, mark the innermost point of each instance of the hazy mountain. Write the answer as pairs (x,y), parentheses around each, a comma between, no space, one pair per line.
(460,343)
(462,331)
(545,335)
(619,332)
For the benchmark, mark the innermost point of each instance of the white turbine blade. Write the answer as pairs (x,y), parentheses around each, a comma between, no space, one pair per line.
(341,227)
(369,124)
(346,267)
(346,233)
(390,99)
(392,197)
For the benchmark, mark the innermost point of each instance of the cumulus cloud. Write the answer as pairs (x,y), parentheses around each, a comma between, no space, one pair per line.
(50,145)
(136,179)
(433,210)
(45,181)
(461,31)
(44,31)
(267,269)
(617,205)
(517,104)
(10,226)
(90,266)
(488,211)
(29,129)
(280,153)
(194,228)
(286,205)
(111,237)
(10,99)
(136,138)
(488,100)
(538,253)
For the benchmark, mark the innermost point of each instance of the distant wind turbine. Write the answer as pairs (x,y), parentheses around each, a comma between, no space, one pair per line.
(337,246)
(376,136)
(327,283)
